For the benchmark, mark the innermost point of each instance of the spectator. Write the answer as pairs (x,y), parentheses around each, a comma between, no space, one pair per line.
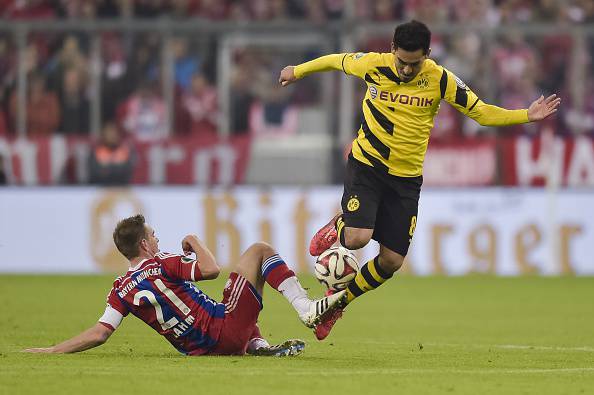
(270,113)
(111,161)
(180,9)
(242,97)
(199,108)
(185,64)
(314,11)
(513,59)
(214,9)
(29,10)
(78,9)
(3,126)
(142,65)
(273,119)
(3,178)
(432,12)
(480,12)
(144,114)
(517,11)
(464,56)
(74,103)
(112,8)
(386,10)
(43,109)
(7,68)
(115,79)
(578,112)
(520,95)
(447,125)
(70,56)
(149,8)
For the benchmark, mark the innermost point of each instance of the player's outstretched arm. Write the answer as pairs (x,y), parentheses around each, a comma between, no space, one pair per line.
(92,337)
(290,74)
(206,260)
(542,108)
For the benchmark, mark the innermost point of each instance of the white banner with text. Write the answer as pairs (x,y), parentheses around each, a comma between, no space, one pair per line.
(462,231)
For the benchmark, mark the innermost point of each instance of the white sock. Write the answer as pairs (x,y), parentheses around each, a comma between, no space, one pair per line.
(295,294)
(256,343)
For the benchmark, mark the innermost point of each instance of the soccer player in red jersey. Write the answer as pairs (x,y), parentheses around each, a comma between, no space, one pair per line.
(158,289)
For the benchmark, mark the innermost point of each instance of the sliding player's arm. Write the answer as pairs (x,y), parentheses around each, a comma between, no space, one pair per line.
(186,268)
(95,335)
(468,103)
(206,262)
(92,337)
(350,63)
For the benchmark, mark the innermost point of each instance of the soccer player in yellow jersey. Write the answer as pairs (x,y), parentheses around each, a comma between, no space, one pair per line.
(384,169)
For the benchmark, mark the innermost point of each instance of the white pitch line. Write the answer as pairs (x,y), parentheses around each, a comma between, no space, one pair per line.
(554,348)
(515,347)
(449,371)
(504,346)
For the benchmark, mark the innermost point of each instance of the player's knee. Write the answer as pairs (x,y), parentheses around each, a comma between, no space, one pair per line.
(259,247)
(355,240)
(263,250)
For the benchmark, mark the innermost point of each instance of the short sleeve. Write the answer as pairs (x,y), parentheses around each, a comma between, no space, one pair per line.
(180,267)
(111,318)
(114,301)
(457,93)
(356,64)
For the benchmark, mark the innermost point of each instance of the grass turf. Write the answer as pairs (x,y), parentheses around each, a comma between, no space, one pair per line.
(463,335)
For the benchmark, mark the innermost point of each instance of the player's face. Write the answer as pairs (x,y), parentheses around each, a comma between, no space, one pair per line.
(152,241)
(408,64)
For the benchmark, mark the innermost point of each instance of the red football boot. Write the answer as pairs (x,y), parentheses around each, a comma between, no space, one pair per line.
(322,330)
(324,238)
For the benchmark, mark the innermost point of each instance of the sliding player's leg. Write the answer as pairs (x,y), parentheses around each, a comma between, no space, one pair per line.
(261,263)
(258,346)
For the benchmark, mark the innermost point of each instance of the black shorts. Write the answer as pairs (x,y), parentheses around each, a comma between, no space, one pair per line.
(373,199)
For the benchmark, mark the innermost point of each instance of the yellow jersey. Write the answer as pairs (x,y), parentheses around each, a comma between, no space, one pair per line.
(398,116)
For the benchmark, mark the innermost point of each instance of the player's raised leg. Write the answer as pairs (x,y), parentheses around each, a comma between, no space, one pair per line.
(374,273)
(325,237)
(261,263)
(371,275)
(336,230)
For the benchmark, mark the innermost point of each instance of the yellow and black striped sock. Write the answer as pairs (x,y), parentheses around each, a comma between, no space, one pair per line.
(369,277)
(339,230)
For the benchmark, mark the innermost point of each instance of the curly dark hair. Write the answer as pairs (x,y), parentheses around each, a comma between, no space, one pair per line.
(412,36)
(128,234)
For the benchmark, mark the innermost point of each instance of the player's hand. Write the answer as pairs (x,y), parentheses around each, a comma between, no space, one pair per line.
(287,76)
(46,350)
(186,246)
(542,108)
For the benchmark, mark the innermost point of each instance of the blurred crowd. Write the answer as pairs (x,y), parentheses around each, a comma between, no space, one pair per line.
(509,69)
(491,12)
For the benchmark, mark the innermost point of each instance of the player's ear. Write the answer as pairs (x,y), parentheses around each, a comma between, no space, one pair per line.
(428,52)
(392,48)
(143,244)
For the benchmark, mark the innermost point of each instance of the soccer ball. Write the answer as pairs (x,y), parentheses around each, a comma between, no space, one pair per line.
(336,267)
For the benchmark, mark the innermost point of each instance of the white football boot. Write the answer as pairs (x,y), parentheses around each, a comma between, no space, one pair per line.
(320,307)
(289,348)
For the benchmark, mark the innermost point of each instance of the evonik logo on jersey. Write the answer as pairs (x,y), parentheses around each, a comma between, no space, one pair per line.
(399,98)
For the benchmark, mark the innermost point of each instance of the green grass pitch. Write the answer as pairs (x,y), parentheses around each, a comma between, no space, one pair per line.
(461,335)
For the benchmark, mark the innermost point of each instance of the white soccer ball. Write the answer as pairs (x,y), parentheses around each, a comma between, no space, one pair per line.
(336,268)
